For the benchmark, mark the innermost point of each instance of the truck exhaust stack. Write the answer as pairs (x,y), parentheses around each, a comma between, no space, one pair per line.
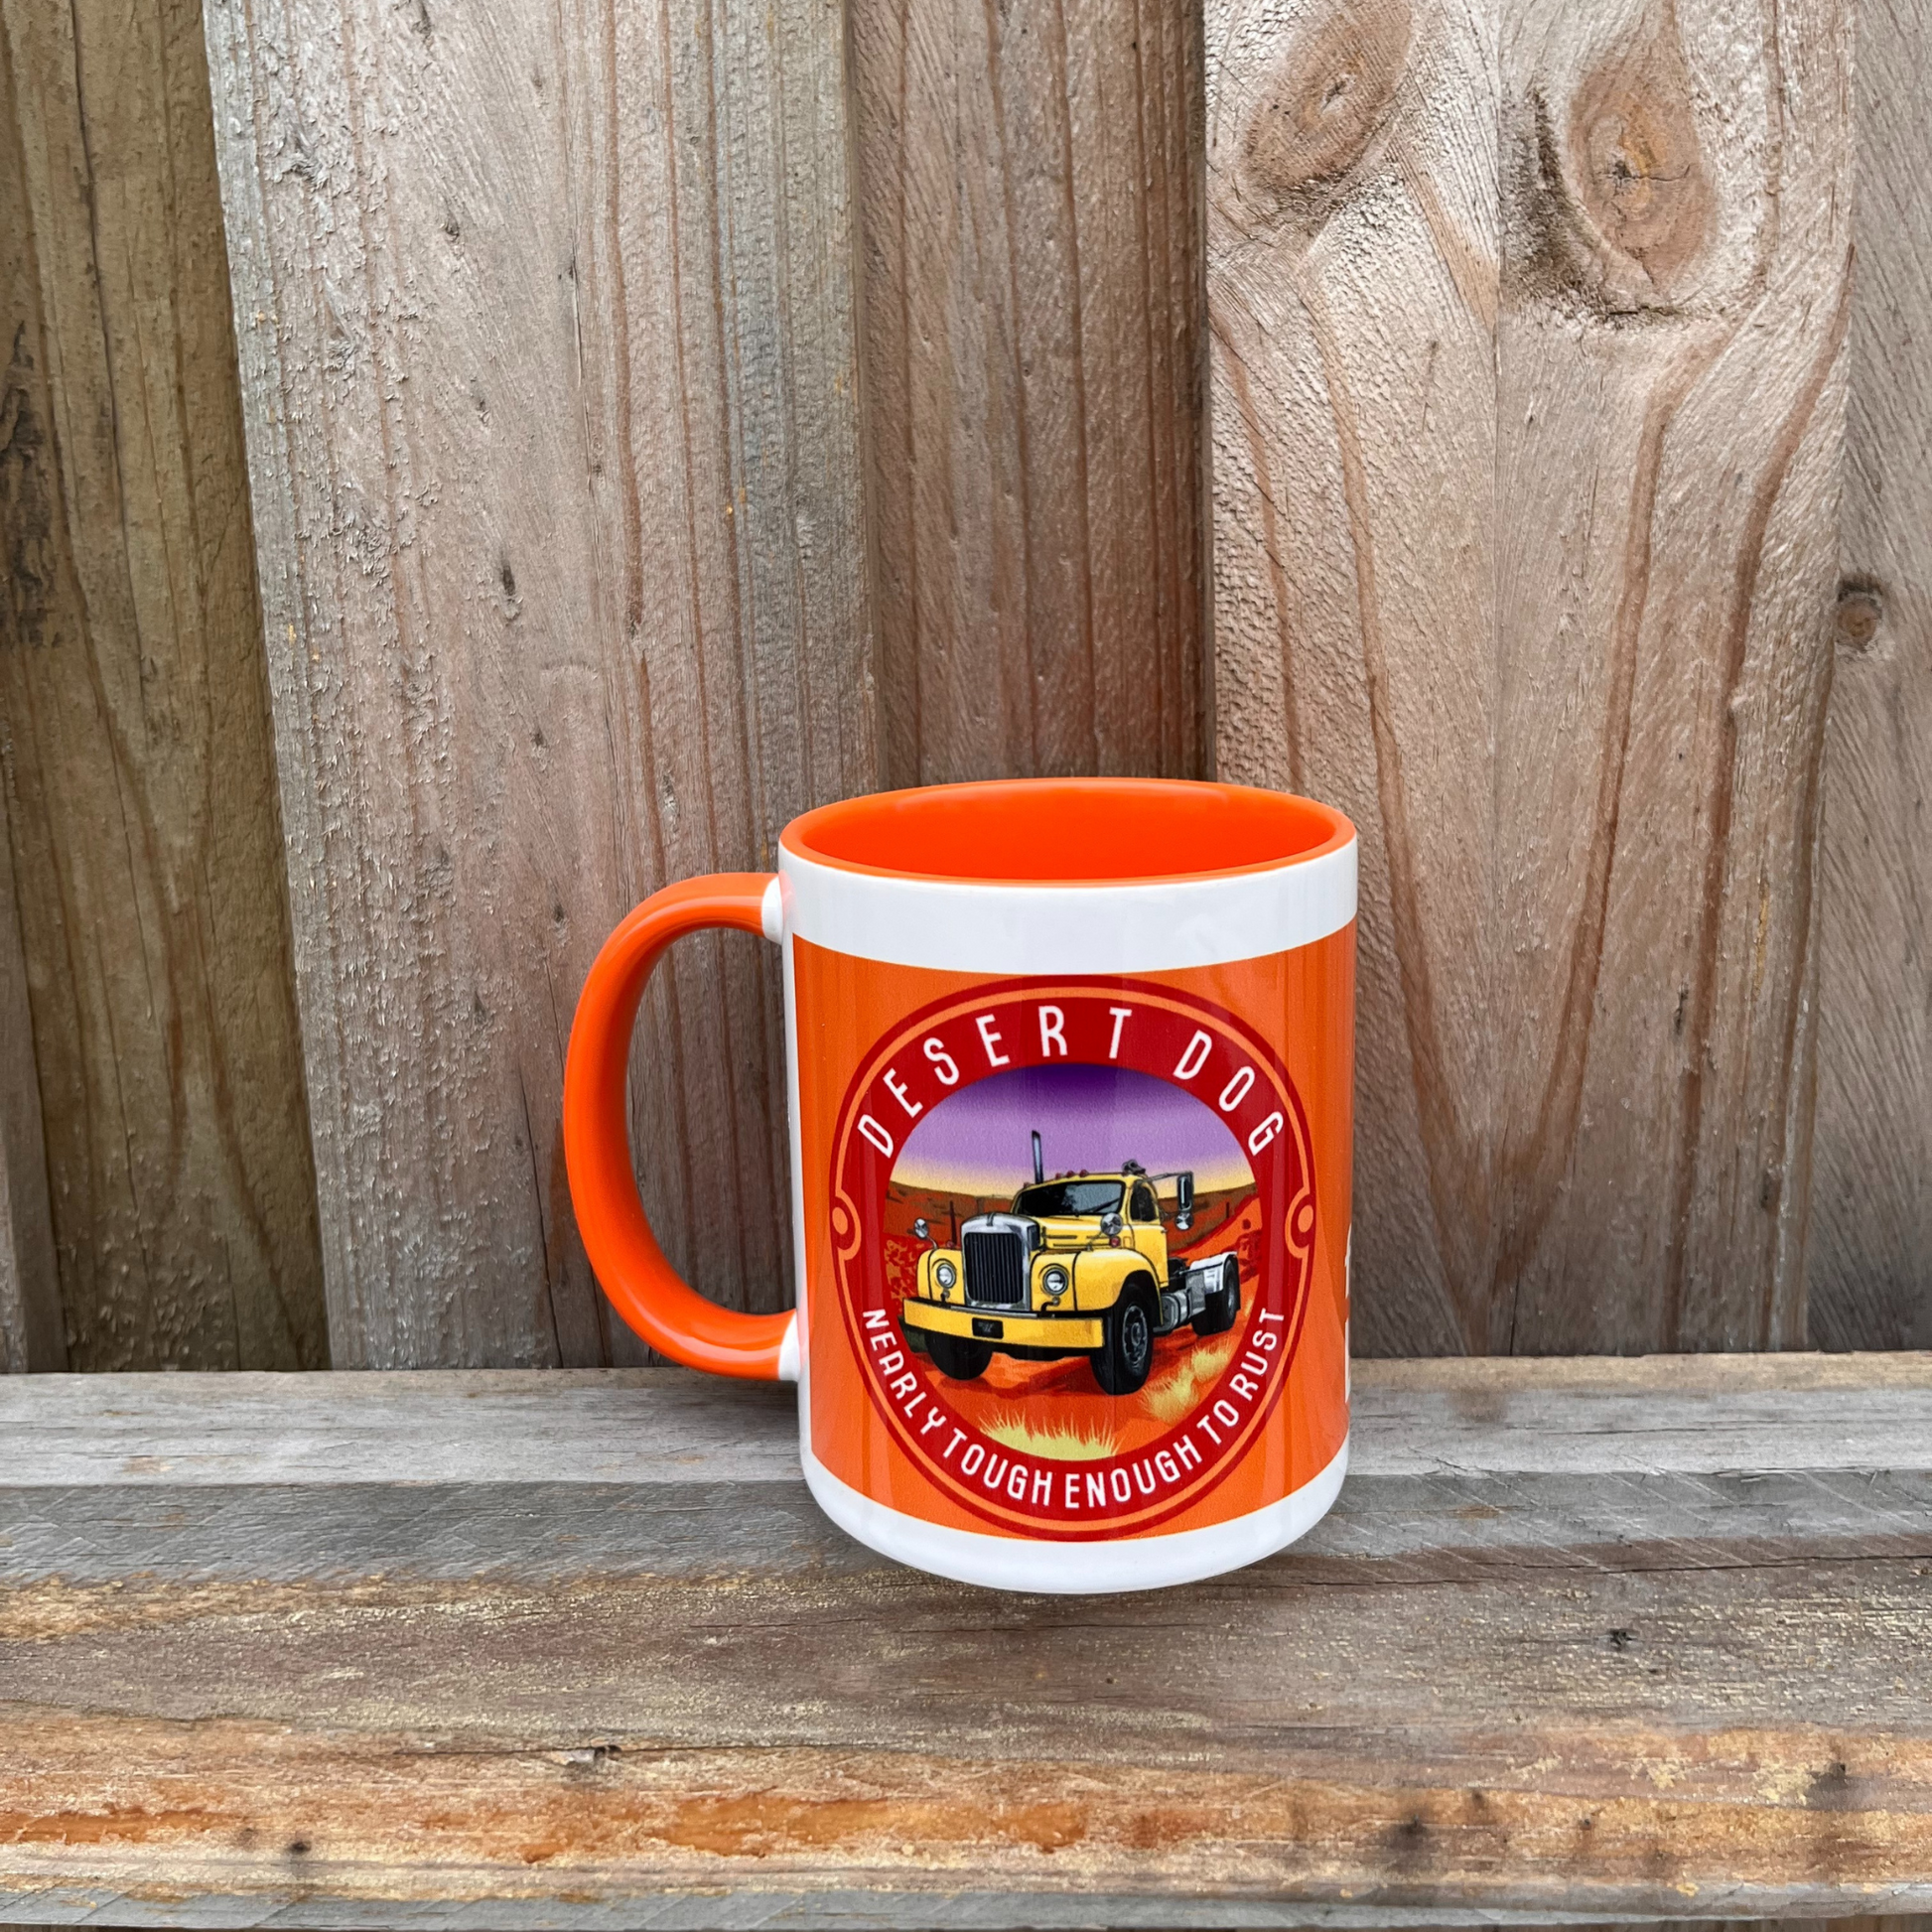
(1039,1172)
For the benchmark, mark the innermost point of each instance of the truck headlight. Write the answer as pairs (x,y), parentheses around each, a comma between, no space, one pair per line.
(945,1274)
(1053,1281)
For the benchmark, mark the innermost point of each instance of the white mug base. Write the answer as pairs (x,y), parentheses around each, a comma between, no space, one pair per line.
(1075,1569)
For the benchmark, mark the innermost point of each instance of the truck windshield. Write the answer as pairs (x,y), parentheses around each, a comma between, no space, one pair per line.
(1052,1197)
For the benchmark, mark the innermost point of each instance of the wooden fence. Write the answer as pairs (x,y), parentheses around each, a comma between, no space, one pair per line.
(657,421)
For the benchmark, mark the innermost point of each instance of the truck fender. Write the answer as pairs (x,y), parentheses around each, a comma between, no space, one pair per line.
(1207,1275)
(1099,1275)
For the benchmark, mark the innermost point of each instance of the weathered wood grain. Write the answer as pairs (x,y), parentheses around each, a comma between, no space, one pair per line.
(547,348)
(31,1334)
(1672,371)
(1030,193)
(1352,291)
(299,1478)
(1871,1268)
(1692,1415)
(1637,1637)
(146,864)
(1529,364)
(833,1910)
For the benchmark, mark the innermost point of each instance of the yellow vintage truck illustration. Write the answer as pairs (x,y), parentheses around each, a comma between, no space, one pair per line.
(1078,1267)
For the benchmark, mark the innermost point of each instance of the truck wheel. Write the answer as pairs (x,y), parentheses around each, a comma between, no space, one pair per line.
(957,1358)
(1223,1301)
(1126,1345)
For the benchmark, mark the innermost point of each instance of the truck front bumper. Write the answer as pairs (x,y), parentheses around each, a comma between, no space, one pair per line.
(1069,1332)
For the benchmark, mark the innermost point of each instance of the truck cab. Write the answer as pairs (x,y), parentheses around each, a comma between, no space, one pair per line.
(1079,1265)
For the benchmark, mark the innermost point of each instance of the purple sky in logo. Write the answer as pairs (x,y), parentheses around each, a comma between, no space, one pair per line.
(977,1140)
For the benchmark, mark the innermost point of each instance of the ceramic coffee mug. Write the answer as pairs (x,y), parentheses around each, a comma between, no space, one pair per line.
(1070,1071)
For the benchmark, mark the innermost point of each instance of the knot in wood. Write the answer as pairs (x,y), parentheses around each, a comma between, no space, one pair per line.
(1638,187)
(1860,611)
(1643,183)
(1316,114)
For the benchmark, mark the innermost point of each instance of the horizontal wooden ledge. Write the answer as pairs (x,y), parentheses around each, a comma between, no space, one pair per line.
(1629,1637)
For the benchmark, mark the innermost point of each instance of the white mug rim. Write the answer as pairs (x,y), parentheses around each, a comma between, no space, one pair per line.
(1167,922)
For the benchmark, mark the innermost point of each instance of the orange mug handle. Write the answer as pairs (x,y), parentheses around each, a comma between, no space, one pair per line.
(642,1286)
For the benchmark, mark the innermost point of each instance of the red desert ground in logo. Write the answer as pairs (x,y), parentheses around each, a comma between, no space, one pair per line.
(1172,1154)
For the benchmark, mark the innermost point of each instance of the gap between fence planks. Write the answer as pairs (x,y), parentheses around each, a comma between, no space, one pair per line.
(31,1332)
(1580,1637)
(548,369)
(145,871)
(1528,336)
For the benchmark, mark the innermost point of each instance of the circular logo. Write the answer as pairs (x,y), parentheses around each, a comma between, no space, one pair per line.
(1072,1223)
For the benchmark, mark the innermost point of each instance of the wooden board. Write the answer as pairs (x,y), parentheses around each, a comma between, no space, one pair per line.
(31,1334)
(546,337)
(1030,193)
(1351,180)
(1529,364)
(145,863)
(1580,1638)
(1870,1267)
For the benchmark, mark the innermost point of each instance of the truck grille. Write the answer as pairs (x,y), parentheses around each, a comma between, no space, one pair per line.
(996,1270)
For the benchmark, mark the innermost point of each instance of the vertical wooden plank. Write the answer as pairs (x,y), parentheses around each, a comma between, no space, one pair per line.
(1035,384)
(1352,265)
(1671,372)
(1871,1203)
(145,857)
(546,329)
(30,1335)
(1550,618)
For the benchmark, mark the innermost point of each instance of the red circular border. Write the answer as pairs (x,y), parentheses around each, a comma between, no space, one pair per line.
(862,1171)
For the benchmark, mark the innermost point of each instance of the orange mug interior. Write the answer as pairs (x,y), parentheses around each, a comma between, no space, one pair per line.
(1123,830)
